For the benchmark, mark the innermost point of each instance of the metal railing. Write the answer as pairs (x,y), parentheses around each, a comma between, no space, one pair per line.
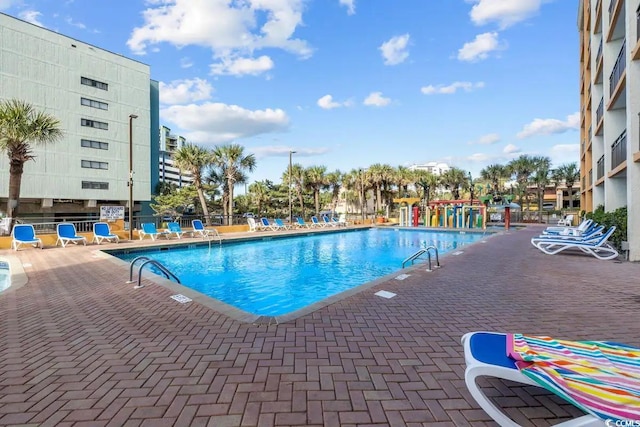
(600,168)
(600,111)
(619,150)
(146,260)
(612,8)
(599,54)
(638,23)
(590,177)
(618,69)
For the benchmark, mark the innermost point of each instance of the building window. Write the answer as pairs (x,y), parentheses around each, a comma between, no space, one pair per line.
(90,164)
(95,104)
(90,82)
(87,143)
(93,185)
(94,124)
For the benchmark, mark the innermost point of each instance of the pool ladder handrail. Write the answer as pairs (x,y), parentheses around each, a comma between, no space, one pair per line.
(417,255)
(208,236)
(148,260)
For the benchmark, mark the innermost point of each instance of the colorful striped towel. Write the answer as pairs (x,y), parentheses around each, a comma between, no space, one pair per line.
(601,378)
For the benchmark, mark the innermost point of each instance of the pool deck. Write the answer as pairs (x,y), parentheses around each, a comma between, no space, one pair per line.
(80,347)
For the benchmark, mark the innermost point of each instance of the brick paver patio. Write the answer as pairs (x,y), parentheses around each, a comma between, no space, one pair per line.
(80,347)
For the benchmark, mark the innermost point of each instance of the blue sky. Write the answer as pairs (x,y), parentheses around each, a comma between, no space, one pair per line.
(349,83)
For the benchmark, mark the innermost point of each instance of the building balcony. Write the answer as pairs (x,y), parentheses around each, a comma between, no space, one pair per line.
(616,20)
(600,169)
(597,24)
(599,116)
(635,53)
(617,77)
(619,150)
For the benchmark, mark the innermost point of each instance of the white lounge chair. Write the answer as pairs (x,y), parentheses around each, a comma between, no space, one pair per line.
(566,221)
(24,234)
(102,232)
(67,234)
(581,228)
(598,247)
(485,354)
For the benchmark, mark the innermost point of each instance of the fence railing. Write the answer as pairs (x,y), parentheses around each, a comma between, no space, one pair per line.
(619,150)
(600,168)
(600,111)
(618,69)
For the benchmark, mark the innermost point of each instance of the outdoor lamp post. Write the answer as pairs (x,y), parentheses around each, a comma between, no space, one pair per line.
(471,187)
(290,199)
(130,183)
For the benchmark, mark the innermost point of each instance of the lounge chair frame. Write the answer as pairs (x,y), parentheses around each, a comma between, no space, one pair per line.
(67,238)
(479,368)
(34,241)
(99,236)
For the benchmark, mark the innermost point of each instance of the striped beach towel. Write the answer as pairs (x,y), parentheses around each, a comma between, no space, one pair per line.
(601,378)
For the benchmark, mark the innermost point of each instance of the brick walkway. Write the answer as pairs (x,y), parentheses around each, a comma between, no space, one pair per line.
(80,347)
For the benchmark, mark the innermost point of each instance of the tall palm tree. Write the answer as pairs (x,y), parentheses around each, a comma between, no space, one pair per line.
(455,179)
(259,193)
(541,179)
(522,167)
(232,161)
(334,181)
(194,159)
(495,174)
(20,126)
(315,180)
(403,177)
(570,174)
(296,177)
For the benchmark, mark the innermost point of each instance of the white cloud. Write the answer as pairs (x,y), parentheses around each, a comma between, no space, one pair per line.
(185,91)
(229,28)
(31,16)
(240,66)
(327,103)
(351,6)
(452,88)
(504,12)
(550,126)
(215,123)
(511,149)
(70,21)
(283,151)
(480,47)
(6,4)
(564,153)
(394,51)
(375,99)
(487,139)
(186,62)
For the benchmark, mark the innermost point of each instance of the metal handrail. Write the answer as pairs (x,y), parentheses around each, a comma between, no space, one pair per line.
(417,255)
(147,260)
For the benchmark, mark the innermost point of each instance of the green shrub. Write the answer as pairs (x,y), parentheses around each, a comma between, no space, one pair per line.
(617,218)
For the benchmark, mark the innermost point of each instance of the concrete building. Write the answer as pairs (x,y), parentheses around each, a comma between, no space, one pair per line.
(610,107)
(433,167)
(93,93)
(169,173)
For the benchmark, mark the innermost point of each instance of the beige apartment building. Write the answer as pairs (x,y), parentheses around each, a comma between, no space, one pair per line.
(610,108)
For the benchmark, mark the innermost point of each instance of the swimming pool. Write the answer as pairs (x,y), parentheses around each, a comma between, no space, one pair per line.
(5,275)
(276,276)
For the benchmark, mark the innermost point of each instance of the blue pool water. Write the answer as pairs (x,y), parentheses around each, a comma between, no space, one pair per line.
(5,276)
(277,276)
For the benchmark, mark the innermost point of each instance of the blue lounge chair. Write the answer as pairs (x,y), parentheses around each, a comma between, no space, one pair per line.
(174,228)
(266,225)
(280,224)
(67,234)
(485,354)
(149,229)
(328,222)
(598,246)
(301,223)
(199,230)
(102,232)
(316,223)
(24,234)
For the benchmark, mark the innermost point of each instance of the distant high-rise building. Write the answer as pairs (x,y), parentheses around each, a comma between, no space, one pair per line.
(436,168)
(610,107)
(169,173)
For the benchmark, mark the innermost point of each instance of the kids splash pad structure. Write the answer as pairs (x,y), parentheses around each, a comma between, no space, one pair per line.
(442,214)
(455,214)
